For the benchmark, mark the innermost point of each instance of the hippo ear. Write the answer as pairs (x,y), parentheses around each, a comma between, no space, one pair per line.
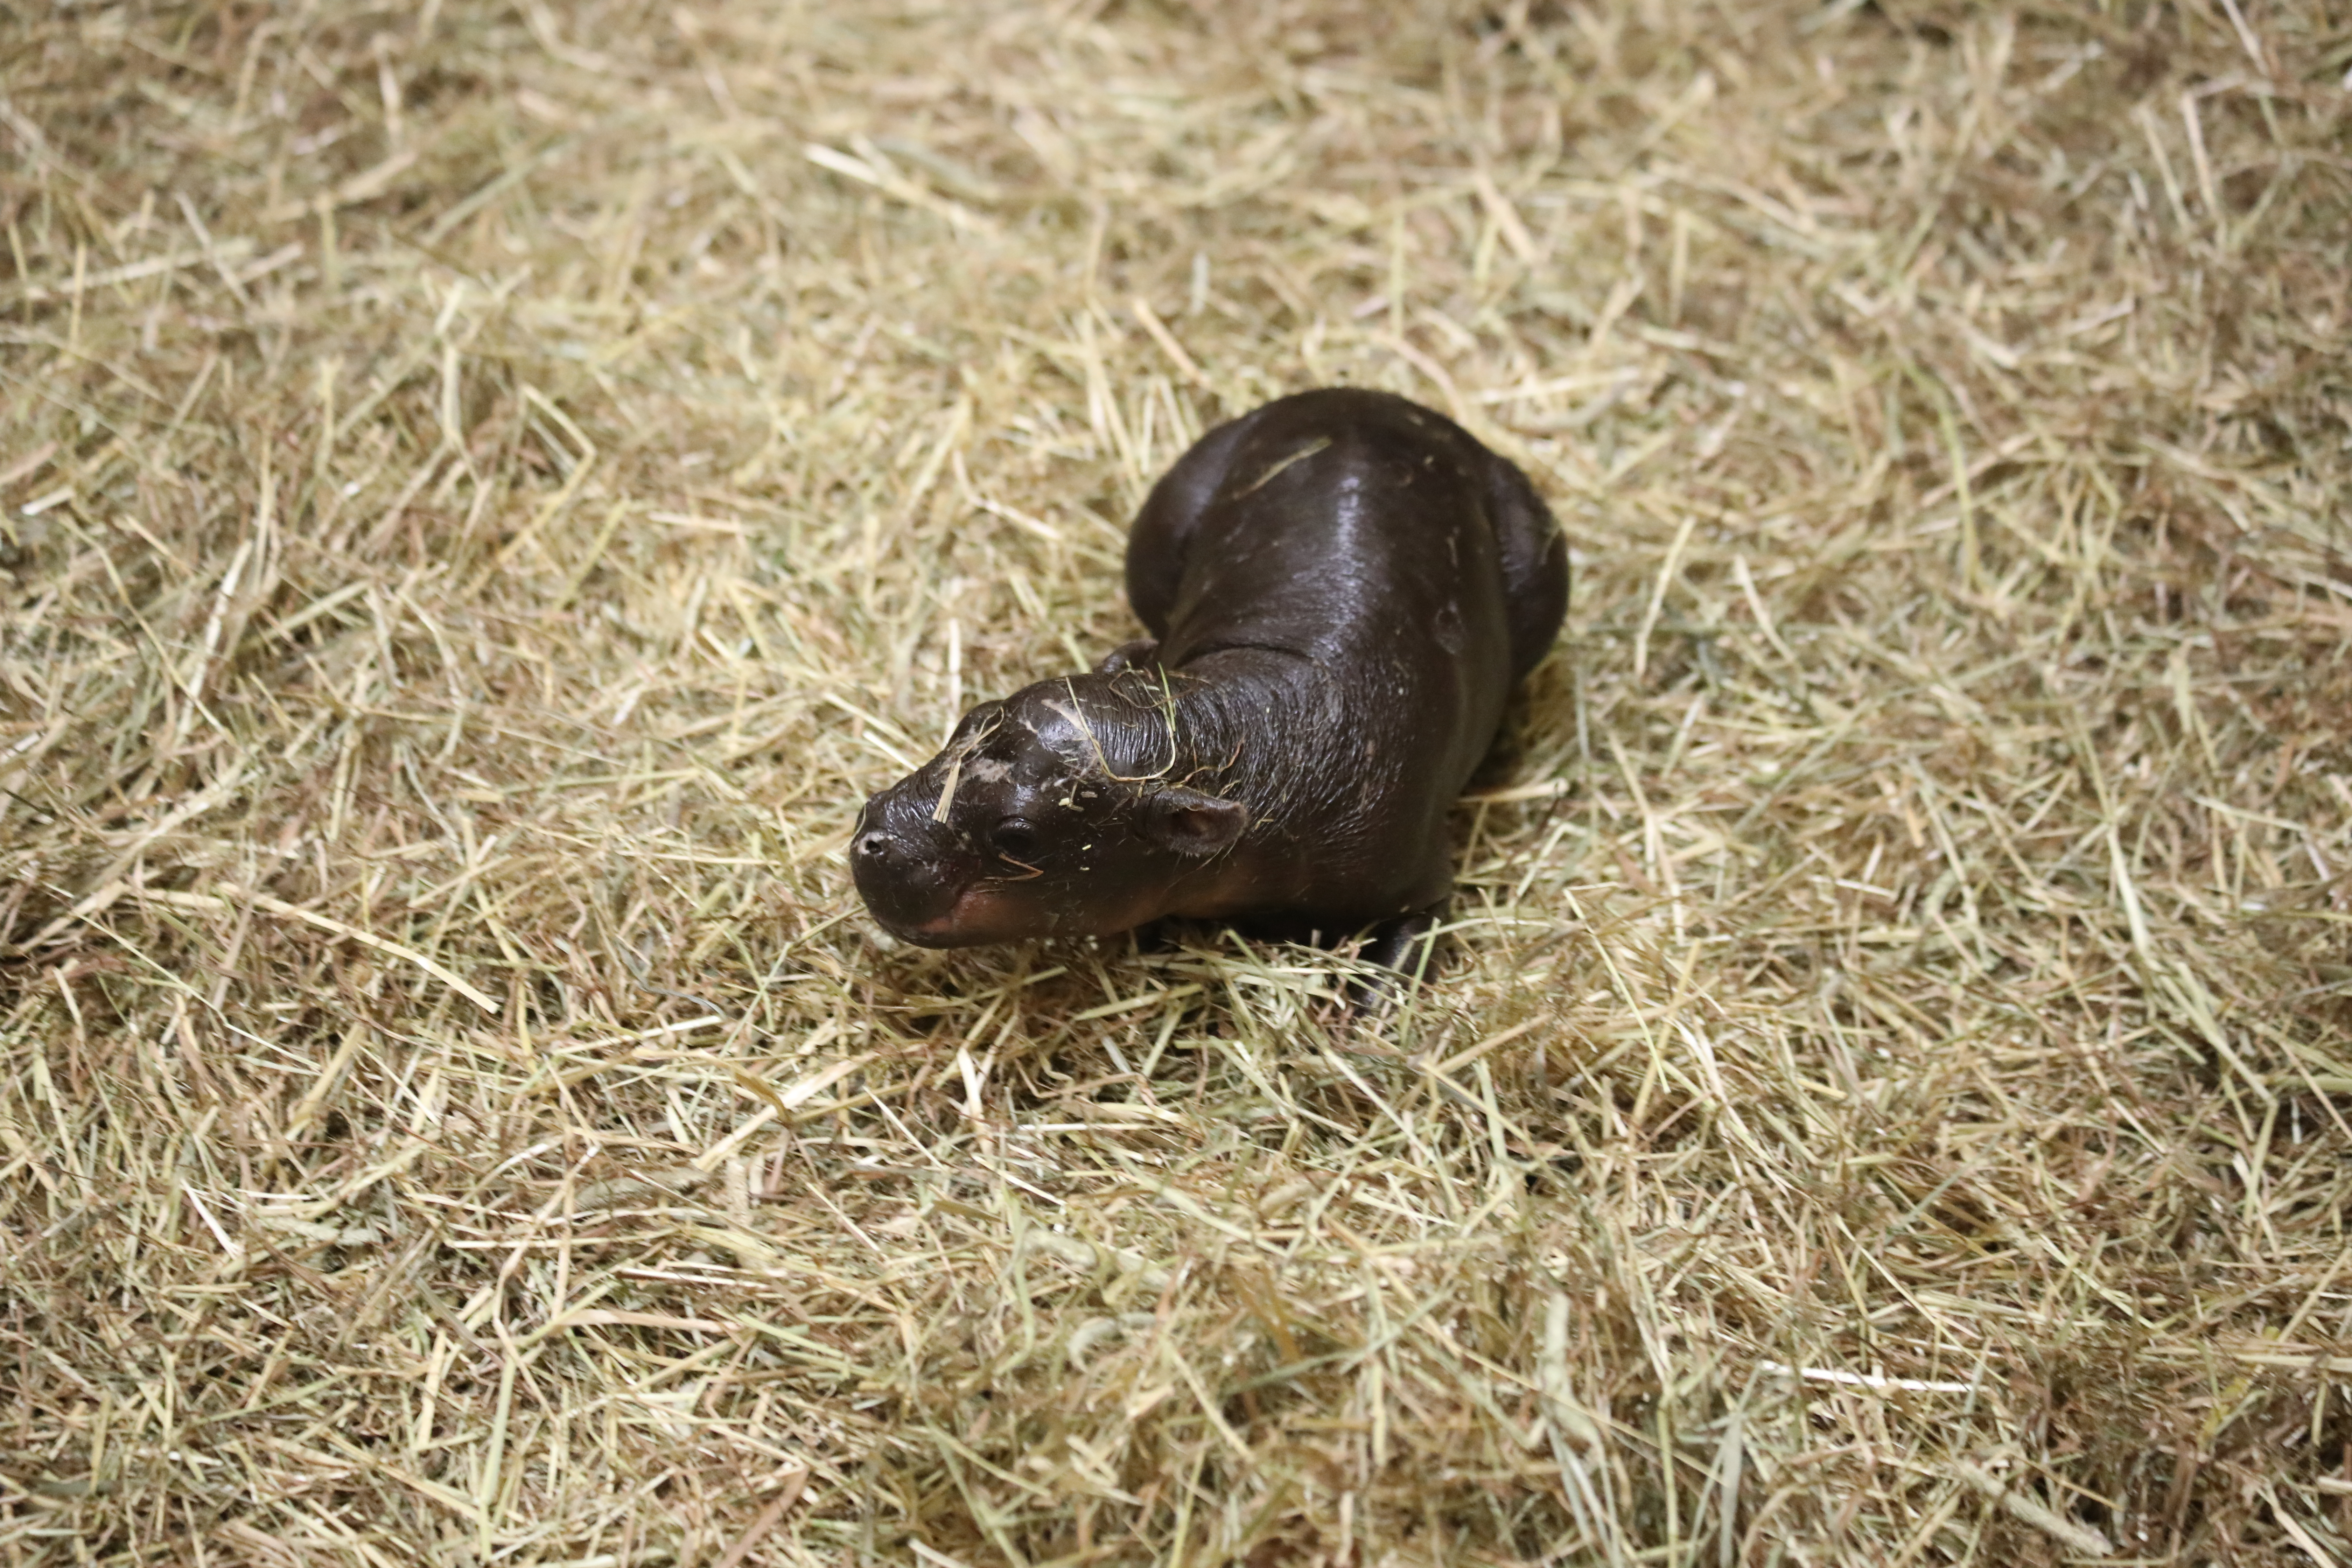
(1191,823)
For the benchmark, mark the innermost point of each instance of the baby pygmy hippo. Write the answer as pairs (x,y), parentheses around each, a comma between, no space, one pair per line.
(1344,586)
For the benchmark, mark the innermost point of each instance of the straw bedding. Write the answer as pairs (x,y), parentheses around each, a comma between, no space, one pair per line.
(488,488)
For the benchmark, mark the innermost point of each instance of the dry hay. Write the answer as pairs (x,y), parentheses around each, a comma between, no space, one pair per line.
(489,488)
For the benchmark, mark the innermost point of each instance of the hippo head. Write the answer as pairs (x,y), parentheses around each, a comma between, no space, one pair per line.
(1059,811)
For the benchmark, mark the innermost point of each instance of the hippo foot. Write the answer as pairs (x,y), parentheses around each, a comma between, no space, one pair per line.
(1157,936)
(1402,953)
(1127,656)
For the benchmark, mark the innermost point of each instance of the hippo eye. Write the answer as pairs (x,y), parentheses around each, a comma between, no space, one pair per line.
(1015,839)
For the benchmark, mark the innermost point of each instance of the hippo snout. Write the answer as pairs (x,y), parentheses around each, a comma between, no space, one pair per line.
(907,877)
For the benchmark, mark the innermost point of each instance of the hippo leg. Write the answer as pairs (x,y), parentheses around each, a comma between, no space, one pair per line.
(1157,936)
(1155,545)
(1534,555)
(1400,953)
(1409,943)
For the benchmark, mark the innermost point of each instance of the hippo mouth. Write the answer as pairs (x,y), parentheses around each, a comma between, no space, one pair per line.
(979,915)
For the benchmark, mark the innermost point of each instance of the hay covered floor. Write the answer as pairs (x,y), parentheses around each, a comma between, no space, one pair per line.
(489,488)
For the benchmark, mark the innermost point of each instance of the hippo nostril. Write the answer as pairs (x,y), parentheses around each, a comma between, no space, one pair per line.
(873,844)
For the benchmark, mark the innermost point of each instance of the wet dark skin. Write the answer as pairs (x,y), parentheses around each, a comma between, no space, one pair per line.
(1342,586)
